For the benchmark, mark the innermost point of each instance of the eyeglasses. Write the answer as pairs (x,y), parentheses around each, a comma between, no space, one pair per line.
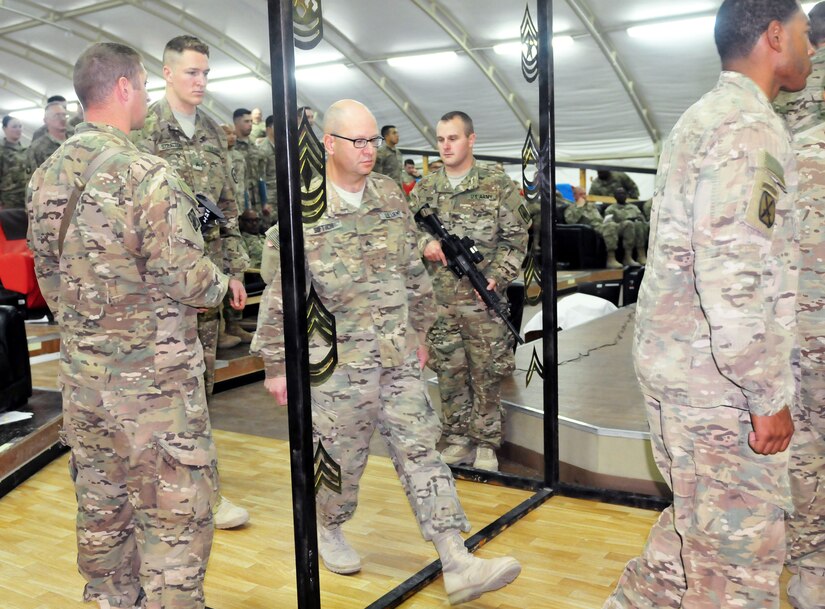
(361,142)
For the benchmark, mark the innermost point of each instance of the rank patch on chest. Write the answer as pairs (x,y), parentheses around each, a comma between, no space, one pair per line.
(326,227)
(164,146)
(389,215)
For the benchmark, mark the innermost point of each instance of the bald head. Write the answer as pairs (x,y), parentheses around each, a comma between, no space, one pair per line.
(344,112)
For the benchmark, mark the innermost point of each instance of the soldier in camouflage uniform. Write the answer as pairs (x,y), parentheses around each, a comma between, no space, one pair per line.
(134,410)
(715,327)
(363,262)
(194,144)
(266,150)
(253,240)
(587,213)
(56,126)
(258,127)
(196,147)
(14,166)
(805,528)
(631,225)
(254,172)
(388,160)
(606,183)
(470,347)
(237,167)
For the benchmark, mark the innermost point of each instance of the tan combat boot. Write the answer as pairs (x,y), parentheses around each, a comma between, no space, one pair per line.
(629,261)
(233,328)
(641,256)
(336,553)
(227,515)
(612,263)
(467,577)
(226,341)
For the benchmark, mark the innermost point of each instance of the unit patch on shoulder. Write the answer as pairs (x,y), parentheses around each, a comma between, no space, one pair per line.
(524,213)
(768,184)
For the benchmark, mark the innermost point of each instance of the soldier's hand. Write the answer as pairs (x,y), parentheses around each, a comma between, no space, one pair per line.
(238,291)
(277,387)
(771,434)
(491,287)
(433,252)
(423,355)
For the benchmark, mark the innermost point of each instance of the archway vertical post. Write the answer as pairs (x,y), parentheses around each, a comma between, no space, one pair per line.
(293,281)
(547,182)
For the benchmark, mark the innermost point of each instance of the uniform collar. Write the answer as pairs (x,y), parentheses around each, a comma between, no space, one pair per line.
(737,79)
(116,133)
(470,181)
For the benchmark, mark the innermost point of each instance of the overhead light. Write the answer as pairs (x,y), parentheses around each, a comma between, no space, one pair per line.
(229,71)
(677,28)
(20,104)
(228,85)
(330,71)
(514,48)
(423,60)
(30,115)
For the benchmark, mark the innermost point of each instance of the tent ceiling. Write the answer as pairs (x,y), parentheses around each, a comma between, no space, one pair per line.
(595,115)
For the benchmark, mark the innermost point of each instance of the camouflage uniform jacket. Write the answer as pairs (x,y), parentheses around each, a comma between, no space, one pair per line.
(254,245)
(258,132)
(626,211)
(487,208)
(266,149)
(43,130)
(237,176)
(202,163)
(366,269)
(389,162)
(14,174)
(133,270)
(254,169)
(618,179)
(806,108)
(587,214)
(40,150)
(715,319)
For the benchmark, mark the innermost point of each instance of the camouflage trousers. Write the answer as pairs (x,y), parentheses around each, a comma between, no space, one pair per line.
(805,528)
(610,234)
(722,542)
(348,408)
(634,234)
(145,473)
(208,323)
(471,350)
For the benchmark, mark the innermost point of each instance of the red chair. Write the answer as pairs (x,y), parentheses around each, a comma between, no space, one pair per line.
(16,259)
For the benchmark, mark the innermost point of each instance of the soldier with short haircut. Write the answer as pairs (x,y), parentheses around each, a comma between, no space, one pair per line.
(715,326)
(56,127)
(471,349)
(142,457)
(258,128)
(253,239)
(805,528)
(266,150)
(388,160)
(14,166)
(632,227)
(195,145)
(363,263)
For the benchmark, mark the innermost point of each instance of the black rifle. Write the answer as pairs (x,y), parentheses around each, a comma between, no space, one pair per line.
(462,257)
(211,214)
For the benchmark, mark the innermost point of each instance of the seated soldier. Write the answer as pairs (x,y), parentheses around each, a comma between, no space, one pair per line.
(606,183)
(250,225)
(587,213)
(633,228)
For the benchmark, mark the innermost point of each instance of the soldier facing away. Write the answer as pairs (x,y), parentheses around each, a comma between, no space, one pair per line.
(363,262)
(715,326)
(142,457)
(470,347)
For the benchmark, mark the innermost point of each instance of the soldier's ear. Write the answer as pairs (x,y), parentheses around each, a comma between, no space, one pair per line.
(328,143)
(167,73)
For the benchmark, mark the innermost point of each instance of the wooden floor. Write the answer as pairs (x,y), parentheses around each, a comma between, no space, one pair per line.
(572,551)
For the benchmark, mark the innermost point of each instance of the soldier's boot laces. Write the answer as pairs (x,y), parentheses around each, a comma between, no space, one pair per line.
(486,459)
(467,577)
(227,515)
(612,263)
(459,454)
(336,553)
(641,255)
(629,261)
(234,329)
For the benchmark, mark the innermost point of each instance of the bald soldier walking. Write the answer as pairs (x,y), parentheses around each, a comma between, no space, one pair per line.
(363,263)
(134,410)
(715,326)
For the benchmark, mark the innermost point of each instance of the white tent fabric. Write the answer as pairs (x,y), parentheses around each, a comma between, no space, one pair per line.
(596,118)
